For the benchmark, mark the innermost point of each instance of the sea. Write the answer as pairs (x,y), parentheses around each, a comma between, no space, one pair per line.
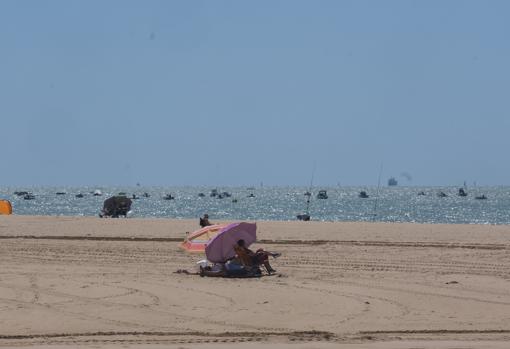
(385,204)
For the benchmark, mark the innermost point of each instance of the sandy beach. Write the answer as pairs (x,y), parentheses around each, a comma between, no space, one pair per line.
(112,283)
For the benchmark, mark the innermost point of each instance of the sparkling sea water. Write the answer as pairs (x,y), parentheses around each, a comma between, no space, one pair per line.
(389,204)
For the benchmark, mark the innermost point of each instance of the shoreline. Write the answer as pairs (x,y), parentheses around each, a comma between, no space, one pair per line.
(21,225)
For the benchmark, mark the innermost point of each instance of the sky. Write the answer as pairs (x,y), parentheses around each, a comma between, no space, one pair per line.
(238,93)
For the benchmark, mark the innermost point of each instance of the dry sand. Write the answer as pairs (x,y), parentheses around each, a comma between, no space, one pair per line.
(111,283)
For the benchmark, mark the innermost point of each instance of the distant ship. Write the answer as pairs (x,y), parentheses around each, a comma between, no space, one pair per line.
(392,182)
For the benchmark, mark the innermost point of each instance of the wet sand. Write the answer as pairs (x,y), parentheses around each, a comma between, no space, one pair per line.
(111,283)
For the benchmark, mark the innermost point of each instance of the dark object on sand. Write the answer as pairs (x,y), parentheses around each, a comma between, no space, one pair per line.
(116,206)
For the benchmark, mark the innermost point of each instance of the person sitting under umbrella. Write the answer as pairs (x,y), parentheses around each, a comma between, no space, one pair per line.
(250,258)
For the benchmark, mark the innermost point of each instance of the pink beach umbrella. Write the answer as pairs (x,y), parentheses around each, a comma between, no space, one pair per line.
(221,247)
(196,241)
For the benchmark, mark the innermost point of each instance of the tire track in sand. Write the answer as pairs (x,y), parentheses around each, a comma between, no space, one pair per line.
(419,244)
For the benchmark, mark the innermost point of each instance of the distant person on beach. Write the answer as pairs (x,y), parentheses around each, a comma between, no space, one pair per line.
(204,221)
(250,258)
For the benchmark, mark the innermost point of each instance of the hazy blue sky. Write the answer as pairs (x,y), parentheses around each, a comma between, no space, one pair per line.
(243,92)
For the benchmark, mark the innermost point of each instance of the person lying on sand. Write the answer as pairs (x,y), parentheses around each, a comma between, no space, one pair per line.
(250,258)
(214,271)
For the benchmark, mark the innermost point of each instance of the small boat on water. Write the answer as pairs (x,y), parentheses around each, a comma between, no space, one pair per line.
(224,195)
(363,194)
(442,194)
(21,193)
(60,193)
(303,217)
(462,192)
(251,195)
(322,194)
(201,195)
(29,196)
(168,197)
(421,193)
(392,182)
(146,195)
(214,193)
(79,195)
(481,197)
(97,192)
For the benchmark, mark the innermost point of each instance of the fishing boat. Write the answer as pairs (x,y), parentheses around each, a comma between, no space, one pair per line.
(306,216)
(392,182)
(303,217)
(363,194)
(322,194)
